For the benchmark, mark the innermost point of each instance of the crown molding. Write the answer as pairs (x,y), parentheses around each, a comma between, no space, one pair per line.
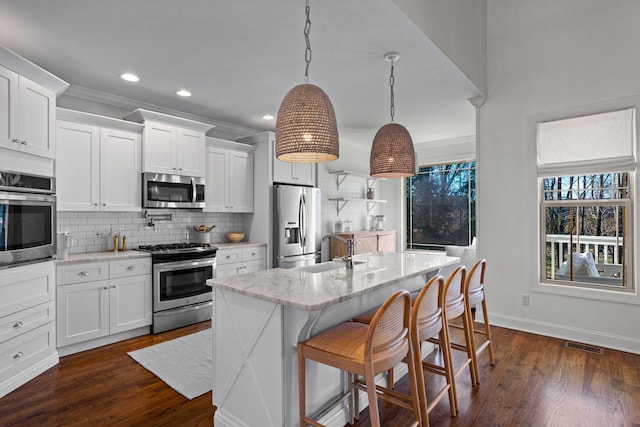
(131,104)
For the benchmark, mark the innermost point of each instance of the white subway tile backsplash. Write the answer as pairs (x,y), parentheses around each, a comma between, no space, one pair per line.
(91,231)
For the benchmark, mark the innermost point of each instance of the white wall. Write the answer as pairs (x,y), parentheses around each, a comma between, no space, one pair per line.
(458,28)
(547,56)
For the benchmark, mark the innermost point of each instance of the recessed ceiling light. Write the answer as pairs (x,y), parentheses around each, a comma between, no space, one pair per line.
(129,77)
(183,92)
(268,117)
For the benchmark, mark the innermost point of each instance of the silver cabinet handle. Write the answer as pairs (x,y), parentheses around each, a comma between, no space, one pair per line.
(104,287)
(18,324)
(131,267)
(253,254)
(113,286)
(23,142)
(228,256)
(18,355)
(83,273)
(16,140)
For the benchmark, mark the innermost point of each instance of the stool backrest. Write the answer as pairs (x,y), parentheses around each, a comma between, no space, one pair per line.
(388,332)
(454,288)
(475,282)
(426,313)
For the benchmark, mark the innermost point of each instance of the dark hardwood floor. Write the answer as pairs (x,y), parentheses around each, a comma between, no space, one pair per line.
(536,381)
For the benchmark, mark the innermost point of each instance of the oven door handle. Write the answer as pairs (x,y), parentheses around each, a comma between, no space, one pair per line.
(179,265)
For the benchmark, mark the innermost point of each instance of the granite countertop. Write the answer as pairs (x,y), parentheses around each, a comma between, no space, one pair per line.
(313,291)
(133,253)
(102,256)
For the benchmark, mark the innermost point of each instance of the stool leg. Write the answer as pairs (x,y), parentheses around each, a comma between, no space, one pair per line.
(471,348)
(301,385)
(445,347)
(370,381)
(487,329)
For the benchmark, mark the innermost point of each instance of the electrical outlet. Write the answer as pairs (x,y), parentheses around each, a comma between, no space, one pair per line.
(525,299)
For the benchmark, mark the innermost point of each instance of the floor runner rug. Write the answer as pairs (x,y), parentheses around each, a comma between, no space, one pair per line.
(185,363)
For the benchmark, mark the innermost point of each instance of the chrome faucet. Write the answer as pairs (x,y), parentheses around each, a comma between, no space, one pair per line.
(348,259)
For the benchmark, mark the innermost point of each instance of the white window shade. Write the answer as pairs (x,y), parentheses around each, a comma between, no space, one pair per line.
(594,143)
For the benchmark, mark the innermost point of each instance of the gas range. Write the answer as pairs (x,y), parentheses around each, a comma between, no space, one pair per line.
(178,251)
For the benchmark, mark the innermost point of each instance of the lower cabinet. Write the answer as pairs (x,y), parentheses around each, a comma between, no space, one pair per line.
(98,299)
(364,242)
(237,261)
(27,323)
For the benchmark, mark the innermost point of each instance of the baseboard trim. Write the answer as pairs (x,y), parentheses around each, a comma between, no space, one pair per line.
(616,342)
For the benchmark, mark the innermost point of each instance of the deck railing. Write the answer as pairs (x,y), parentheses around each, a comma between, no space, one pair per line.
(605,249)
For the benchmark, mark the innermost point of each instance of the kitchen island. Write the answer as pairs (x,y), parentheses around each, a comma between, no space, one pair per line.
(260,317)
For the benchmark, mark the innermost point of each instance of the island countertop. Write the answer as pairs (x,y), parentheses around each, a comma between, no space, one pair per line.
(308,290)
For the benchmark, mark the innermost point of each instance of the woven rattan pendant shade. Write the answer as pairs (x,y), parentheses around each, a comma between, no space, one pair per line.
(392,154)
(306,130)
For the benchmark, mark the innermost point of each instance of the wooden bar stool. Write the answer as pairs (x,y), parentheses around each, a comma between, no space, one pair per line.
(366,350)
(427,321)
(457,308)
(474,295)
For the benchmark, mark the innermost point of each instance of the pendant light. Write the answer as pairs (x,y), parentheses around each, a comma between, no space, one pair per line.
(392,153)
(306,130)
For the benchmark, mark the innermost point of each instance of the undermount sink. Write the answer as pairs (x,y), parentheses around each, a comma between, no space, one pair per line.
(326,266)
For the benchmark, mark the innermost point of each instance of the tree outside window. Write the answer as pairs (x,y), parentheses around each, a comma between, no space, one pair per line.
(441,206)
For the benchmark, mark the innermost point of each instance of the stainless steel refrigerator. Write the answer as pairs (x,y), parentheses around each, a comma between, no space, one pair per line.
(296,226)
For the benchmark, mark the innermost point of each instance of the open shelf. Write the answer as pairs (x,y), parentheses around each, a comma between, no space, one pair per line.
(342,201)
(341,175)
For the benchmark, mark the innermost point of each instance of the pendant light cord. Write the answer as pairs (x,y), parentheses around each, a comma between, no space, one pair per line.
(307,52)
(392,109)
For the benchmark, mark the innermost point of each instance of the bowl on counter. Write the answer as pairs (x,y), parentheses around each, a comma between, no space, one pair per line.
(235,237)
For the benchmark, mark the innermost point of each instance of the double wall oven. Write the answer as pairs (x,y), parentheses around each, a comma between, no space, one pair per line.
(180,293)
(27,218)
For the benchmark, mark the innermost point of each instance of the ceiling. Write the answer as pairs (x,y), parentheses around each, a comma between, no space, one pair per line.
(239,58)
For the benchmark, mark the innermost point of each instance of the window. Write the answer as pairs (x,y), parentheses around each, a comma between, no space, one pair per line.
(441,206)
(586,211)
(587,220)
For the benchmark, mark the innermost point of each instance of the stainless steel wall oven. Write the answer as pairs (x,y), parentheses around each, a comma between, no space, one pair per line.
(27,218)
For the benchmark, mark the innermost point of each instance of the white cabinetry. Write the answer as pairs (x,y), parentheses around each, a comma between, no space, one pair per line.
(98,163)
(97,299)
(27,323)
(229,178)
(293,173)
(240,260)
(171,145)
(27,115)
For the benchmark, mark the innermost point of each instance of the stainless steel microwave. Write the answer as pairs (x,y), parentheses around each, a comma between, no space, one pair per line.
(27,218)
(172,191)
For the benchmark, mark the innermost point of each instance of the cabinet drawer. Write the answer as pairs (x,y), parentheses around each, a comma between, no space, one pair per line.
(23,321)
(26,286)
(228,256)
(129,267)
(79,273)
(24,351)
(253,253)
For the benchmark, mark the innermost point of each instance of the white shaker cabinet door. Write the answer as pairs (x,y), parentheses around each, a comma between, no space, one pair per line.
(8,109)
(78,167)
(190,151)
(159,148)
(120,171)
(240,181)
(130,303)
(37,119)
(216,189)
(83,312)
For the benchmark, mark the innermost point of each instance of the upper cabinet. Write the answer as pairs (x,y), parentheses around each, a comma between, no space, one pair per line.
(229,178)
(27,115)
(293,173)
(105,152)
(171,145)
